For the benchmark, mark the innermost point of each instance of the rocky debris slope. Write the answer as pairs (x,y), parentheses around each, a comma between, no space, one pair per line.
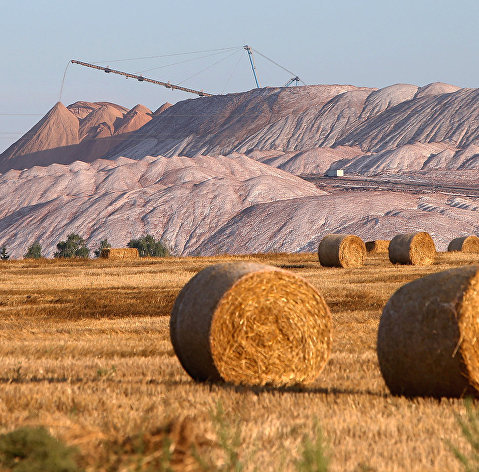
(82,131)
(304,130)
(298,119)
(59,127)
(208,205)
(286,119)
(181,200)
(448,117)
(248,200)
(299,224)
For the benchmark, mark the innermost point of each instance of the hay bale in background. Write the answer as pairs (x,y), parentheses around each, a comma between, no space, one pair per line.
(119,253)
(339,250)
(469,244)
(379,246)
(412,248)
(428,336)
(251,324)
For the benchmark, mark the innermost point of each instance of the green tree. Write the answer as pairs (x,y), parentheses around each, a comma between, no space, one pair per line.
(104,244)
(34,251)
(74,246)
(3,254)
(148,246)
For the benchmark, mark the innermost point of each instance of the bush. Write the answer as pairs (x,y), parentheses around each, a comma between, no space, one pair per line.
(149,247)
(34,251)
(74,246)
(3,254)
(104,244)
(35,450)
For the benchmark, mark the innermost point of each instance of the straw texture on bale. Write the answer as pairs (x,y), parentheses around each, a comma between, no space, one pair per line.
(412,248)
(379,246)
(119,253)
(251,324)
(428,338)
(339,250)
(469,244)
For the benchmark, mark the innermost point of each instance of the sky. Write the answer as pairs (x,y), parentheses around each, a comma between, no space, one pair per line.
(371,43)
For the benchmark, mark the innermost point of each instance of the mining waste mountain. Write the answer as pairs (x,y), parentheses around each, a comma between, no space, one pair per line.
(102,170)
(82,131)
(304,130)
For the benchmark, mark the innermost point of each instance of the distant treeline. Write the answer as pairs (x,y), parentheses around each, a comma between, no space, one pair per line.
(75,247)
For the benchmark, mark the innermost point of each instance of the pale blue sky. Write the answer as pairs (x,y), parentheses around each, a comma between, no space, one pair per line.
(369,43)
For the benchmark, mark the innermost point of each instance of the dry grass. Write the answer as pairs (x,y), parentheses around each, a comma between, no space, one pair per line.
(85,351)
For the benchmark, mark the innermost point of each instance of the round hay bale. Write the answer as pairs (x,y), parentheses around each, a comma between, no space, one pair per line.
(412,248)
(251,324)
(119,253)
(378,246)
(469,244)
(340,250)
(428,336)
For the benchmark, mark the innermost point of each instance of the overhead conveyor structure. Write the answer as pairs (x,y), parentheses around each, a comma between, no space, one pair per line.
(140,78)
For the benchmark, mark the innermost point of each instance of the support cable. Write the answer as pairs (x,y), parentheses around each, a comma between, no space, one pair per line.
(206,68)
(180,62)
(276,64)
(233,70)
(63,81)
(163,55)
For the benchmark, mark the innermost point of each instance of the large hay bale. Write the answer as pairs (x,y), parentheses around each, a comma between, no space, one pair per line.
(469,244)
(378,246)
(412,248)
(251,324)
(428,338)
(340,250)
(119,253)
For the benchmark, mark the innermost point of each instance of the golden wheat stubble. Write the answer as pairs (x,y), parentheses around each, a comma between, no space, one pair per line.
(251,324)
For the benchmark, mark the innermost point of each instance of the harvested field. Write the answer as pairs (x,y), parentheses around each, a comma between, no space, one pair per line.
(86,352)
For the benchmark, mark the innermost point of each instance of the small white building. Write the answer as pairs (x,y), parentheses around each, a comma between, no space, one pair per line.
(335,173)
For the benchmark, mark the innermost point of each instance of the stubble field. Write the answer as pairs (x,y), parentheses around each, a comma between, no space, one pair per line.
(86,353)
